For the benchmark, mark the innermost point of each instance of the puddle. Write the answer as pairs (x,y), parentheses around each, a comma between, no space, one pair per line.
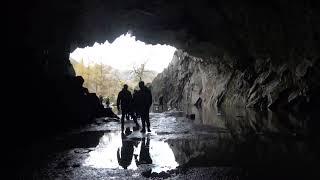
(102,151)
(116,151)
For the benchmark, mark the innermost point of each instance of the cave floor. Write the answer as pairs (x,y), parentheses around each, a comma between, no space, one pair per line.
(177,148)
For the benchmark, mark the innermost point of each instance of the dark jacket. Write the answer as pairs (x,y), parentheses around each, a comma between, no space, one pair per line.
(124,99)
(134,102)
(144,99)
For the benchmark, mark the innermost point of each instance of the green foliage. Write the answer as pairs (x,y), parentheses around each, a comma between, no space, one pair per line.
(99,78)
(107,82)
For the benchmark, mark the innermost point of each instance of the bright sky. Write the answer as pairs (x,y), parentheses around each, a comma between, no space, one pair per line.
(125,52)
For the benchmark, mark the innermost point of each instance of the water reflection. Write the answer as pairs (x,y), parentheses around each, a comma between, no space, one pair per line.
(274,156)
(144,156)
(131,151)
(125,153)
(243,120)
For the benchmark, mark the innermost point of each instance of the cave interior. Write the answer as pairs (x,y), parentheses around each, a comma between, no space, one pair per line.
(267,43)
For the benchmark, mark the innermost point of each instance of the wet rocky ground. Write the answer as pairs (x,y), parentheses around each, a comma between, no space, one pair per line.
(177,148)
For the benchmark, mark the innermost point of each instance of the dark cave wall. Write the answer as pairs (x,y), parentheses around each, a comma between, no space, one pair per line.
(254,54)
(264,86)
(237,33)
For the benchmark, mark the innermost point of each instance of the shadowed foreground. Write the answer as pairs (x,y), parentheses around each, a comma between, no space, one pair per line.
(177,148)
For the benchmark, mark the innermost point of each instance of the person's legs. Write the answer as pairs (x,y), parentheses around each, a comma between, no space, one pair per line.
(147,120)
(143,120)
(123,112)
(148,141)
(134,117)
(127,115)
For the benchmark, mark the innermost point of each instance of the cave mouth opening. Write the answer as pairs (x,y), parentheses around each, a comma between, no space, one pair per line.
(106,67)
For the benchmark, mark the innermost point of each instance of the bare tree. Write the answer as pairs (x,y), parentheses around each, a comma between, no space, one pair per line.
(139,72)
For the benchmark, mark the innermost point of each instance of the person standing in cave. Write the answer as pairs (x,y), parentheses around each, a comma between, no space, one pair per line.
(123,103)
(144,102)
(133,109)
(161,102)
(107,102)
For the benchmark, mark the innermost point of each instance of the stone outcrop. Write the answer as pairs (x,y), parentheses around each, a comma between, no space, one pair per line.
(217,83)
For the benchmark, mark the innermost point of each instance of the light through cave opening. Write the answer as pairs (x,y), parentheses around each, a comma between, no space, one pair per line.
(106,67)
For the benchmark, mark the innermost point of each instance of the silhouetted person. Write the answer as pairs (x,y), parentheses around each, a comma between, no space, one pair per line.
(107,102)
(125,155)
(78,105)
(109,113)
(86,91)
(134,109)
(123,103)
(144,104)
(161,102)
(144,157)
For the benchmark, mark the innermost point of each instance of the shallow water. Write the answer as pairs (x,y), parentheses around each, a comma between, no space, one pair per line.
(211,145)
(115,151)
(244,120)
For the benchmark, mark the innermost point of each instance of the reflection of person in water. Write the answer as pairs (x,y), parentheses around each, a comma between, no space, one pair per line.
(125,156)
(144,157)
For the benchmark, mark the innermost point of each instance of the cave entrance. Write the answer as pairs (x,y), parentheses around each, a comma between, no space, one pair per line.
(106,67)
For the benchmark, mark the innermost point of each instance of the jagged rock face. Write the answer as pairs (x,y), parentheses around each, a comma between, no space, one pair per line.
(217,83)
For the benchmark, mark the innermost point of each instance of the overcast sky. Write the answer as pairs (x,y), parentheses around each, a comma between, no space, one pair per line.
(125,52)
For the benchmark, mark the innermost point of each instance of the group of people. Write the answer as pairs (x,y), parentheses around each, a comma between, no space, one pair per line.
(135,105)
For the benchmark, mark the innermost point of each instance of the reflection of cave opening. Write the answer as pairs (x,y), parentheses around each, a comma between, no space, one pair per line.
(105,154)
(106,67)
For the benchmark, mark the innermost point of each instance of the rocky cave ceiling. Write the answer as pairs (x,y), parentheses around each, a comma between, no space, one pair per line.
(204,28)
